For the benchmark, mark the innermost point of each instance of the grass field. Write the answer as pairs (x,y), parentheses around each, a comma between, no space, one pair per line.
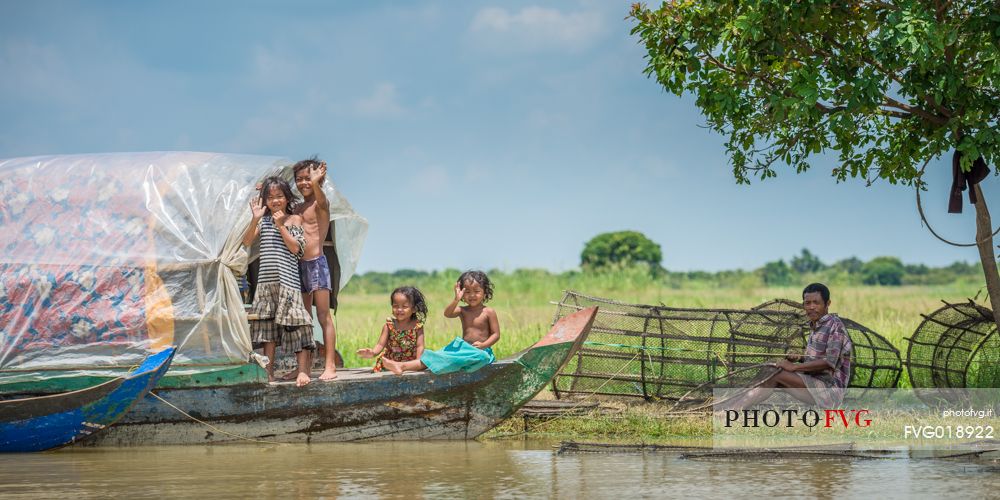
(523,299)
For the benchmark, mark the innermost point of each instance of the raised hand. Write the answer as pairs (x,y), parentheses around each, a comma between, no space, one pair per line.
(317,173)
(459,293)
(257,207)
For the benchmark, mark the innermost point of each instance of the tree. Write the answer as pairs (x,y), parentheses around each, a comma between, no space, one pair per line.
(621,248)
(409,274)
(807,263)
(887,85)
(850,265)
(776,273)
(916,269)
(883,271)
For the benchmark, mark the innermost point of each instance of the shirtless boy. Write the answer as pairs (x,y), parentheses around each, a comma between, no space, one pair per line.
(314,270)
(480,326)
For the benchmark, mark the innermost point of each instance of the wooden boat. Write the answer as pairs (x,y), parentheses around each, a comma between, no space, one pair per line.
(358,406)
(53,421)
(130,251)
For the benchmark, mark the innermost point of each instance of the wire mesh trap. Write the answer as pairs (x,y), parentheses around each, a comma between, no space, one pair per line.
(682,354)
(955,347)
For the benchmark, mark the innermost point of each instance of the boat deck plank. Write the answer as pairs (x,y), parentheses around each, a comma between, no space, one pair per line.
(343,375)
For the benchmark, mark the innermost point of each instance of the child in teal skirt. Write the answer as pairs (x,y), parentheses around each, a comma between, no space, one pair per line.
(480,330)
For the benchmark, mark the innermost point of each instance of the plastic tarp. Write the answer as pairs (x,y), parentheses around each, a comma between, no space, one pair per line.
(106,257)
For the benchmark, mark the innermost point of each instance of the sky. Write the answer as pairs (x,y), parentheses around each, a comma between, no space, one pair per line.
(495,135)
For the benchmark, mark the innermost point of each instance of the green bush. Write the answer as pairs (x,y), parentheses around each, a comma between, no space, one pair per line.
(883,271)
(621,248)
(807,263)
(776,273)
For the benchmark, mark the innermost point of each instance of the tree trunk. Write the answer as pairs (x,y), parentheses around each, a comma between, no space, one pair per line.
(984,240)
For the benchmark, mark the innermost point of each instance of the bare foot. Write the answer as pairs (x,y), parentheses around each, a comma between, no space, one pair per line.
(290,376)
(302,380)
(328,374)
(393,366)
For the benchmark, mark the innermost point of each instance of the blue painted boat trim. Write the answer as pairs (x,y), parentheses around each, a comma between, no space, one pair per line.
(48,422)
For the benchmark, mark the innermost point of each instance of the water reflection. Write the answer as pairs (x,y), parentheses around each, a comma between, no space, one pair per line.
(466,469)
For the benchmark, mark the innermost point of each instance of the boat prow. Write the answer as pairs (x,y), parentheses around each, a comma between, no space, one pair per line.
(56,420)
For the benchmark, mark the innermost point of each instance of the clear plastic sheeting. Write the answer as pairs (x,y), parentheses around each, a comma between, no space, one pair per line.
(105,257)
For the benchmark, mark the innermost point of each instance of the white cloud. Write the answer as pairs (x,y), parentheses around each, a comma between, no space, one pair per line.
(535,29)
(382,102)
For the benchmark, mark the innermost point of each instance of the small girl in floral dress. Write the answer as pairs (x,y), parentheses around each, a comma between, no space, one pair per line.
(402,337)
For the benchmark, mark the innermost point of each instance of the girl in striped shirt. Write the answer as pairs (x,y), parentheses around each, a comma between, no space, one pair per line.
(281,316)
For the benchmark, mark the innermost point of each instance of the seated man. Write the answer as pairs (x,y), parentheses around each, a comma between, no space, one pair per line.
(821,375)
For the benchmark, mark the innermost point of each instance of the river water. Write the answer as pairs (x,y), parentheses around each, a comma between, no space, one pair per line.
(468,469)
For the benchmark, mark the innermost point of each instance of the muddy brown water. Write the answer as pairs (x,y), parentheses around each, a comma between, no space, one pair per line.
(468,469)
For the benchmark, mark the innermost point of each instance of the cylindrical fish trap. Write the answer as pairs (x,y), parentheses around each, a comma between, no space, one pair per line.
(681,354)
(955,347)
(669,353)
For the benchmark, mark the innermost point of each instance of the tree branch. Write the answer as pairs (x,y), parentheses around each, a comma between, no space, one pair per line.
(903,111)
(941,9)
(717,63)
(895,114)
(944,112)
(922,113)
(773,156)
(828,109)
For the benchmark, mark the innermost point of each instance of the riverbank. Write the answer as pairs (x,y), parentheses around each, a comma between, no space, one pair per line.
(613,421)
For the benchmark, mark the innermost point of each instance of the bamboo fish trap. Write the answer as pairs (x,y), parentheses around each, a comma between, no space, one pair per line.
(955,347)
(656,352)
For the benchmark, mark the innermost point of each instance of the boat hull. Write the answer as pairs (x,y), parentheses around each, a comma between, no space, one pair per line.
(53,421)
(358,406)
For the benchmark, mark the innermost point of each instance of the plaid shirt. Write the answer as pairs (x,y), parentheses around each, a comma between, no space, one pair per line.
(829,341)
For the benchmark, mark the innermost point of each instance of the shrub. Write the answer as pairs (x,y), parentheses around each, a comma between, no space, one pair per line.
(883,271)
(776,273)
(621,248)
